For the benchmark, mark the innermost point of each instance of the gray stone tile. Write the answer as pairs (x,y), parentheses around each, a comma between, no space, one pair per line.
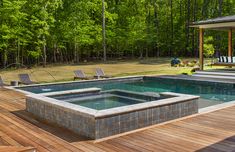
(106,126)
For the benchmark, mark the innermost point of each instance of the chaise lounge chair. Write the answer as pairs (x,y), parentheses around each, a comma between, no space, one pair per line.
(224,61)
(2,82)
(79,74)
(25,79)
(100,73)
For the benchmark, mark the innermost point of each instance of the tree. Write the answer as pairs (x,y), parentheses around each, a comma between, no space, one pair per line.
(71,31)
(103,30)
(41,19)
(13,30)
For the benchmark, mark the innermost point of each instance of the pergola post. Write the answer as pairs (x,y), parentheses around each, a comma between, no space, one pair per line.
(201,40)
(230,42)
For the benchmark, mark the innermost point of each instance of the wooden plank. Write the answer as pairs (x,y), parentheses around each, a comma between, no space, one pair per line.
(113,147)
(123,145)
(36,135)
(90,147)
(17,149)
(208,132)
(7,140)
(149,140)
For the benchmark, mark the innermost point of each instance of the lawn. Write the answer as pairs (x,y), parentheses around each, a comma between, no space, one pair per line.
(52,73)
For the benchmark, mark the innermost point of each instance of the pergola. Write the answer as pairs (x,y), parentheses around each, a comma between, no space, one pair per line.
(221,23)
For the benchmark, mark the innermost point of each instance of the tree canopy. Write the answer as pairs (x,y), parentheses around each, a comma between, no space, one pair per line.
(41,31)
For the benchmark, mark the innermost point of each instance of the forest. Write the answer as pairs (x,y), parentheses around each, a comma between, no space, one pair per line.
(35,32)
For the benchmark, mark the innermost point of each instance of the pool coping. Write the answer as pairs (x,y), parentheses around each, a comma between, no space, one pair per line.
(216,107)
(189,77)
(175,77)
(82,81)
(176,98)
(16,88)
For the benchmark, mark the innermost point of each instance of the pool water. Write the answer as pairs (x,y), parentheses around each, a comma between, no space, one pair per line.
(109,99)
(108,102)
(210,93)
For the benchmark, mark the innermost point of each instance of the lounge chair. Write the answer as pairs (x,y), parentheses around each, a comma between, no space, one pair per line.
(100,73)
(2,82)
(224,61)
(79,74)
(25,79)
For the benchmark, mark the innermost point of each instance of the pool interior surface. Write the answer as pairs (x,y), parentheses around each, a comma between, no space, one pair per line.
(108,99)
(210,93)
(106,102)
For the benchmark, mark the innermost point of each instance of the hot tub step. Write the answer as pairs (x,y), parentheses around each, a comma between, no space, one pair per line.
(77,91)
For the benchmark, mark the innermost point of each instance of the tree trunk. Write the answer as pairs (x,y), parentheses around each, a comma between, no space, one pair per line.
(103,31)
(193,34)
(44,46)
(220,7)
(5,58)
(146,52)
(76,53)
(54,52)
(18,52)
(148,29)
(156,27)
(22,56)
(205,9)
(61,57)
(187,27)
(141,52)
(218,36)
(44,52)
(172,28)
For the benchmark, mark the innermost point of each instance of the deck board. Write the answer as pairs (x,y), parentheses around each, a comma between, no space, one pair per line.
(16,149)
(213,131)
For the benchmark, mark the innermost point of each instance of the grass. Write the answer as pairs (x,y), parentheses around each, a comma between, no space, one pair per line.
(52,73)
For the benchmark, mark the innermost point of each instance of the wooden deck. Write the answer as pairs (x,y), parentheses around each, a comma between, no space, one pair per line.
(209,132)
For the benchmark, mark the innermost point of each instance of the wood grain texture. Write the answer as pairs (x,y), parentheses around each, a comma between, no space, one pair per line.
(213,131)
(16,149)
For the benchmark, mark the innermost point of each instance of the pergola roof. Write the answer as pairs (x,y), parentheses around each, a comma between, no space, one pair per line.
(227,22)
(220,23)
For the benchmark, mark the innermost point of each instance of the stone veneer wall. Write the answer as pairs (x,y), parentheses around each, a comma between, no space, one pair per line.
(101,127)
(73,120)
(138,119)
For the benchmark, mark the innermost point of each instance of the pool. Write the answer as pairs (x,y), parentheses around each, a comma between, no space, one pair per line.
(97,114)
(211,93)
(105,102)
(102,108)
(109,99)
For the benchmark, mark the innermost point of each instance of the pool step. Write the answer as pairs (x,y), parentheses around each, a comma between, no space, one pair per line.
(215,73)
(215,76)
(71,100)
(76,91)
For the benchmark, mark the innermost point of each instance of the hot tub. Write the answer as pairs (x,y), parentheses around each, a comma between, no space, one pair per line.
(97,114)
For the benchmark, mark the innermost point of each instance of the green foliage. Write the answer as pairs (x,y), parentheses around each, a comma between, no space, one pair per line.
(209,49)
(34,54)
(69,30)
